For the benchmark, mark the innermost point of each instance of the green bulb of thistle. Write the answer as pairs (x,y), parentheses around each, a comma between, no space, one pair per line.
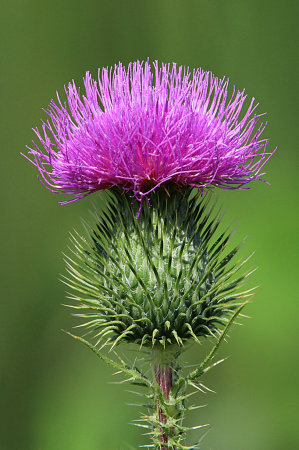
(157,280)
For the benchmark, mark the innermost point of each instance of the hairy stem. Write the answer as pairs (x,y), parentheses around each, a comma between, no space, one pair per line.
(164,378)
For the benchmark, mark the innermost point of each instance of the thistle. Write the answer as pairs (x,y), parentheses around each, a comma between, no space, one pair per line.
(154,271)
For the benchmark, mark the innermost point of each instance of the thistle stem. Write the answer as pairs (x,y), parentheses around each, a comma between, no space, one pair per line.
(164,378)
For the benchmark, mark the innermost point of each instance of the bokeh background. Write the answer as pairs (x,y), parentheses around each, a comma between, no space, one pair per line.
(54,391)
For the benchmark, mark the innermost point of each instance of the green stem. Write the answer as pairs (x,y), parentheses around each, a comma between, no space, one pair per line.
(164,378)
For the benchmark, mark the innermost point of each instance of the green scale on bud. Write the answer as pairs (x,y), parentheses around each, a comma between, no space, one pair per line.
(160,279)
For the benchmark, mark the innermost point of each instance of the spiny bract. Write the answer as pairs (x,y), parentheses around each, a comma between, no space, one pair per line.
(160,279)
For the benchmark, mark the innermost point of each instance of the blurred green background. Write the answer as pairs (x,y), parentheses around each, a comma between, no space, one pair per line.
(54,391)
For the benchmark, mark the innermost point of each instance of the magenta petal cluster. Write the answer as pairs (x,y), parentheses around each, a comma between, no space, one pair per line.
(144,127)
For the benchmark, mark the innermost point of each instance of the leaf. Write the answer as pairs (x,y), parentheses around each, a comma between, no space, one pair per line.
(122,367)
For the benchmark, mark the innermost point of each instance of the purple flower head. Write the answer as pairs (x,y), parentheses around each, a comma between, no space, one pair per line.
(146,127)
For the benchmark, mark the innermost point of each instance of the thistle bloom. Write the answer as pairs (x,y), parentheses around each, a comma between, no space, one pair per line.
(141,128)
(165,279)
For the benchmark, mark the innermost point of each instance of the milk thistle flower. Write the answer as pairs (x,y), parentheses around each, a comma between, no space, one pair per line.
(154,274)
